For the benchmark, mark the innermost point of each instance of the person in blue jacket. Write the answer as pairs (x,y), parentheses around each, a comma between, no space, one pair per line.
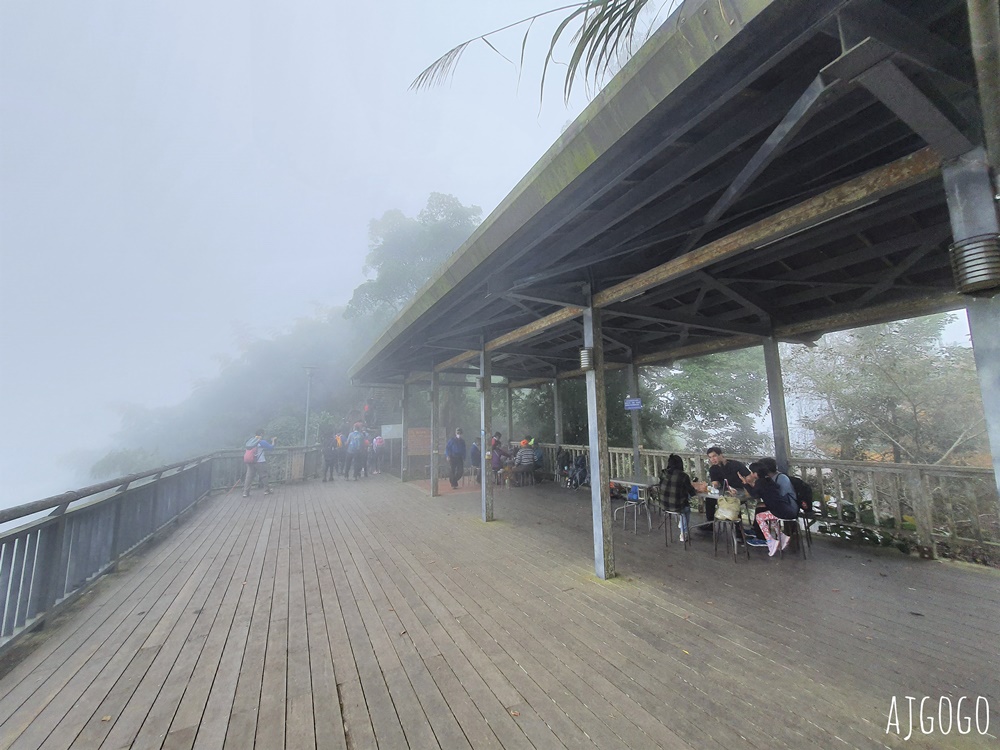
(454,451)
(257,469)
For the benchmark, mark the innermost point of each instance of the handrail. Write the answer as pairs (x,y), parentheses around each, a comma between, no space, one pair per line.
(47,562)
(70,496)
(930,507)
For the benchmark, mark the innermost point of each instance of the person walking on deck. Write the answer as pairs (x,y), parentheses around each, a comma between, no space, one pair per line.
(454,451)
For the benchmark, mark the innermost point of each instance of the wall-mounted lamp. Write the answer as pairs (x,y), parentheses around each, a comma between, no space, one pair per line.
(587,358)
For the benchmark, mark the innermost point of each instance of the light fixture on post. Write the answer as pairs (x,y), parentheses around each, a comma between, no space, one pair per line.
(479,383)
(587,358)
(309,379)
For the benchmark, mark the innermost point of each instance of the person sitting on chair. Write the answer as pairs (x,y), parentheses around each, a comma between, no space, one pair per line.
(539,455)
(524,462)
(775,490)
(725,474)
(497,454)
(676,492)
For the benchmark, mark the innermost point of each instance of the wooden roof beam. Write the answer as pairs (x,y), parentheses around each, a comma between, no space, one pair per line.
(518,334)
(850,196)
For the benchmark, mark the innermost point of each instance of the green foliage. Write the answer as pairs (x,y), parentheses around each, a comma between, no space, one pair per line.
(712,400)
(891,392)
(404,252)
(534,413)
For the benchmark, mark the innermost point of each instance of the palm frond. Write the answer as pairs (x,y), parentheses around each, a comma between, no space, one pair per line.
(607,30)
(440,70)
(443,68)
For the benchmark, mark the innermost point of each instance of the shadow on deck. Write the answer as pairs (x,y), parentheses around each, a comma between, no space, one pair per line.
(367,614)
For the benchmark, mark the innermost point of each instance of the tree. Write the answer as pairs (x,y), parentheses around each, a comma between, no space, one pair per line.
(716,399)
(534,413)
(891,392)
(264,388)
(404,252)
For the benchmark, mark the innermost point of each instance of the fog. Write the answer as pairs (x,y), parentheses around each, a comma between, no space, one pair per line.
(175,173)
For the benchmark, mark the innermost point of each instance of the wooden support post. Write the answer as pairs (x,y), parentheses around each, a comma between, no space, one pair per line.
(776,398)
(404,448)
(510,414)
(435,428)
(632,373)
(923,512)
(485,432)
(597,427)
(557,408)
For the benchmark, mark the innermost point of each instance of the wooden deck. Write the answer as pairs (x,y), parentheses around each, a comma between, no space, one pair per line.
(366,614)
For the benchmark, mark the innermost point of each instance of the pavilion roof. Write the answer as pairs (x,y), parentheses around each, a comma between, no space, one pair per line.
(760,168)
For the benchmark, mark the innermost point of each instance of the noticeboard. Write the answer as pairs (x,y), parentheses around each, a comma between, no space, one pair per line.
(418,441)
(633,404)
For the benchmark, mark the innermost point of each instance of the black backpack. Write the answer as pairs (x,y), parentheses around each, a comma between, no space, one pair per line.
(803,493)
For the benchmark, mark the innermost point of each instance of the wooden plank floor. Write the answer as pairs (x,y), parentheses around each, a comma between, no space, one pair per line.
(369,615)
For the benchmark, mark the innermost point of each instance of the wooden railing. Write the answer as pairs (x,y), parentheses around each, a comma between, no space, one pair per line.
(48,561)
(931,508)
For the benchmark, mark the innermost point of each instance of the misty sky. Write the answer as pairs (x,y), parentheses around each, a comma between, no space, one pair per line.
(172,171)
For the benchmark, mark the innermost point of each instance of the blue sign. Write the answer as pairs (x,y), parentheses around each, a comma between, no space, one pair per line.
(633,404)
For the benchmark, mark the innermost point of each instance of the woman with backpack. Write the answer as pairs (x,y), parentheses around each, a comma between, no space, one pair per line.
(256,466)
(355,452)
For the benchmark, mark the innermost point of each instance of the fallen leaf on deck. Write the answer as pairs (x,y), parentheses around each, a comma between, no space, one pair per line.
(515,713)
(686,652)
(402,632)
(709,602)
(835,590)
(105,718)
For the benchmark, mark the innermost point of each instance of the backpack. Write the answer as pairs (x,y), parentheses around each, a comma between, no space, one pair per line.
(354,442)
(804,494)
(250,454)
